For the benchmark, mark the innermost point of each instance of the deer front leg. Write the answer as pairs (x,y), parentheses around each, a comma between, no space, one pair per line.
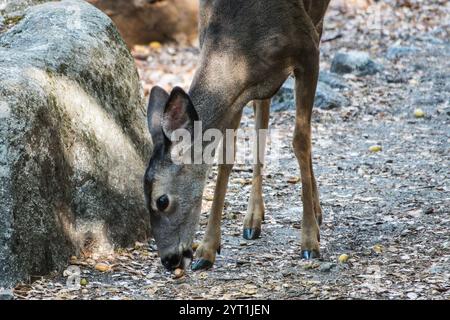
(255,211)
(317,207)
(206,252)
(210,246)
(306,83)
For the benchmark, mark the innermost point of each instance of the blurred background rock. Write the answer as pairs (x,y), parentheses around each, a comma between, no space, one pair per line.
(143,21)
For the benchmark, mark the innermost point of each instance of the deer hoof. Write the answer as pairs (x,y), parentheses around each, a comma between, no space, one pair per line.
(201,264)
(310,254)
(252,234)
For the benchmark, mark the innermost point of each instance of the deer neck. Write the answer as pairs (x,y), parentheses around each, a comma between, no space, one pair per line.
(217,92)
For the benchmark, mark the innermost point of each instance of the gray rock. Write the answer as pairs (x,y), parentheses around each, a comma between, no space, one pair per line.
(398,78)
(439,269)
(326,266)
(396,52)
(326,98)
(334,80)
(6,294)
(356,62)
(285,98)
(432,99)
(446,245)
(431,40)
(73,140)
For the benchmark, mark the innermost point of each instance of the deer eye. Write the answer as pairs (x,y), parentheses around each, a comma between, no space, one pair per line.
(162,203)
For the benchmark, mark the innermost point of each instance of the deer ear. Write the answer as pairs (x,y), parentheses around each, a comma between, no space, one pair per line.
(157,102)
(179,113)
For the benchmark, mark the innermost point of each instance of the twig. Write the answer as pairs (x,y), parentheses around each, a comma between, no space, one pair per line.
(337,36)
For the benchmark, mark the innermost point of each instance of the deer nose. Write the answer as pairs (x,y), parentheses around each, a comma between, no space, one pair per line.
(171,262)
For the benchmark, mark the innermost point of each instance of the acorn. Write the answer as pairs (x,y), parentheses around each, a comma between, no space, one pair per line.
(419,113)
(343,258)
(375,148)
(178,273)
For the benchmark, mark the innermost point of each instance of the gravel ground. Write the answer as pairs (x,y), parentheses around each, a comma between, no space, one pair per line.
(386,231)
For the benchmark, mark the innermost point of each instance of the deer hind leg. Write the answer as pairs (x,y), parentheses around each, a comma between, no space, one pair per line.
(306,84)
(255,211)
(210,246)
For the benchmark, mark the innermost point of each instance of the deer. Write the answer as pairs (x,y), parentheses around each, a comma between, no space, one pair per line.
(248,48)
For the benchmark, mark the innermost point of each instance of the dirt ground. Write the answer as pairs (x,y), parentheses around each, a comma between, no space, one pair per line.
(387,210)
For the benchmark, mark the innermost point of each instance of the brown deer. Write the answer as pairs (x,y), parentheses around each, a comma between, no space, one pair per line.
(248,49)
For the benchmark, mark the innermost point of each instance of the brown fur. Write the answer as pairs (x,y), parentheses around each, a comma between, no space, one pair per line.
(248,49)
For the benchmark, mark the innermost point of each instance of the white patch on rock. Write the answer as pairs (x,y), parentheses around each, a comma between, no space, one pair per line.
(4,110)
(4,168)
(73,17)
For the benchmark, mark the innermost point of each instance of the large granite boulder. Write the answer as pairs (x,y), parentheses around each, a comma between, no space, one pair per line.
(73,139)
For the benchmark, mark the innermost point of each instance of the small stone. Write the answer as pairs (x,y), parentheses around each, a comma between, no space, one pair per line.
(326,267)
(242,262)
(396,52)
(294,180)
(446,245)
(249,289)
(90,261)
(314,290)
(232,216)
(139,245)
(439,269)
(6,294)
(310,265)
(84,282)
(412,295)
(343,258)
(378,248)
(203,275)
(405,232)
(241,181)
(208,197)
